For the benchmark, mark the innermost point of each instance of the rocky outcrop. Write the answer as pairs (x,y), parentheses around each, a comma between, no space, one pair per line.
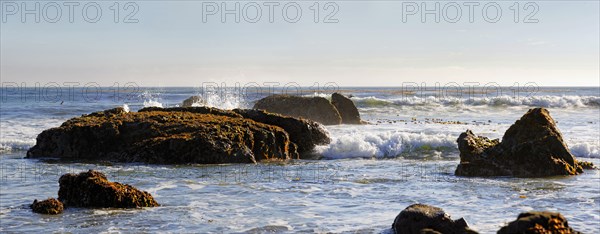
(532,147)
(189,102)
(92,189)
(165,136)
(420,218)
(313,108)
(305,133)
(49,206)
(346,108)
(538,222)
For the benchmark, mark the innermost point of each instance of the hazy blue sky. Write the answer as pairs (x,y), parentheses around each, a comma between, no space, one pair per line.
(369,46)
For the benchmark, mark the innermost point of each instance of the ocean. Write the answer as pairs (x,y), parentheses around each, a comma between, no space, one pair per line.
(366,176)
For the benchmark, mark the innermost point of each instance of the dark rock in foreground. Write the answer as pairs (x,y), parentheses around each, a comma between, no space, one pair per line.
(180,135)
(48,206)
(92,189)
(346,108)
(532,147)
(314,108)
(420,218)
(538,222)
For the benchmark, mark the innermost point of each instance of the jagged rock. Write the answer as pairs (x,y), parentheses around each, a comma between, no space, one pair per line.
(421,218)
(305,133)
(538,222)
(165,136)
(189,102)
(92,189)
(314,108)
(48,206)
(532,147)
(346,108)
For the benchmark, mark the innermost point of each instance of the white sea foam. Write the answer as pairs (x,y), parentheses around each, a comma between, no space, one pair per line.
(7,145)
(538,101)
(384,144)
(586,150)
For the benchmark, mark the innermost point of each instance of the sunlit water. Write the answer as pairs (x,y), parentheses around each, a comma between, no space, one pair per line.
(368,175)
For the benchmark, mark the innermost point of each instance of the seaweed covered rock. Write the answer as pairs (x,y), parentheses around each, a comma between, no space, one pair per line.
(538,222)
(346,108)
(531,147)
(314,108)
(48,206)
(189,102)
(421,218)
(92,189)
(305,133)
(165,136)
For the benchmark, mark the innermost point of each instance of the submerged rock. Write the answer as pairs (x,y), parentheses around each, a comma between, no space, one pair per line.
(346,108)
(314,108)
(48,206)
(421,218)
(92,189)
(532,147)
(538,222)
(166,136)
(189,102)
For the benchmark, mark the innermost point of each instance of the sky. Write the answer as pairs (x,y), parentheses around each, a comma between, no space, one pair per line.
(363,43)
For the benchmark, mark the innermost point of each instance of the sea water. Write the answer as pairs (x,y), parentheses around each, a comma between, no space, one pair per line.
(367,175)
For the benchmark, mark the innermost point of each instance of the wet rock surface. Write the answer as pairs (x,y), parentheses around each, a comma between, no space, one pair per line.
(317,109)
(421,218)
(92,189)
(346,108)
(50,206)
(532,147)
(189,102)
(165,136)
(535,222)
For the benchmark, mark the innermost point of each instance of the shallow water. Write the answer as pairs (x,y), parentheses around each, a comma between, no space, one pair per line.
(369,174)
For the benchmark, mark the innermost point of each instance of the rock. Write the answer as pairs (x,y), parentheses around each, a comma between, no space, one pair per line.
(532,147)
(586,165)
(421,218)
(305,133)
(48,206)
(165,136)
(314,108)
(92,189)
(538,222)
(346,108)
(191,101)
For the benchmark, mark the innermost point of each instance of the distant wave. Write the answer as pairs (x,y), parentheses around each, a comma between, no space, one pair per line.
(538,101)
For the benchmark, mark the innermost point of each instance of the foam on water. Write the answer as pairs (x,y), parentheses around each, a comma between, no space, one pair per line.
(587,150)
(366,144)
